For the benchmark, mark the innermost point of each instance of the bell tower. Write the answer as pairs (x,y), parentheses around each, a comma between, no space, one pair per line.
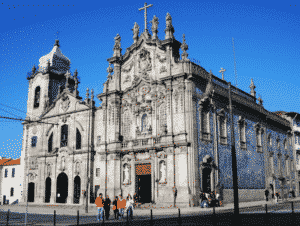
(47,81)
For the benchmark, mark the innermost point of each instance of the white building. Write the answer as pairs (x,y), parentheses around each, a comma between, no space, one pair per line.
(11,180)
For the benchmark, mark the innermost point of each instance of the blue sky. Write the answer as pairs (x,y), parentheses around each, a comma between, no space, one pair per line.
(266,40)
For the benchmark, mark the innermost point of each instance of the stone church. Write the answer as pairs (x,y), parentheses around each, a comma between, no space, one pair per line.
(162,130)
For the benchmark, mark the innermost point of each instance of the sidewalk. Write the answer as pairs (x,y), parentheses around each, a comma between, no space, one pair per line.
(92,210)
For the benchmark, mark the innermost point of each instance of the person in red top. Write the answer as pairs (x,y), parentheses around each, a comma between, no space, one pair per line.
(121,205)
(99,203)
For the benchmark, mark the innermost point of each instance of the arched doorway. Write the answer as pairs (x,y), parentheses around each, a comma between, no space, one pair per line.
(206,180)
(30,192)
(48,189)
(62,188)
(77,185)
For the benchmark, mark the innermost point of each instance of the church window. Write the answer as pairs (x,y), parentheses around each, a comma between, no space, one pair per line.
(144,123)
(78,140)
(50,143)
(205,124)
(97,172)
(33,141)
(223,129)
(13,172)
(242,128)
(163,115)
(37,95)
(277,143)
(6,172)
(285,144)
(269,140)
(126,124)
(64,136)
(11,192)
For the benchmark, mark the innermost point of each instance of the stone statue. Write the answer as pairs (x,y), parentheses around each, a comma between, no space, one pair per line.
(117,42)
(136,30)
(168,21)
(126,171)
(154,27)
(163,172)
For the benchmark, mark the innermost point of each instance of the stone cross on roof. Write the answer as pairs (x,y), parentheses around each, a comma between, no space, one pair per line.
(145,8)
(222,71)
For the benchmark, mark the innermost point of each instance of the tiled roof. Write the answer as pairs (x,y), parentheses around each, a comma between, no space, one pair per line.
(3,160)
(10,162)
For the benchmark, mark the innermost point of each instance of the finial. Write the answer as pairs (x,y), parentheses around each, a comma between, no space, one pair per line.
(87,93)
(67,79)
(260,101)
(222,71)
(117,46)
(252,87)
(76,82)
(109,70)
(56,43)
(184,47)
(155,23)
(33,70)
(75,73)
(92,94)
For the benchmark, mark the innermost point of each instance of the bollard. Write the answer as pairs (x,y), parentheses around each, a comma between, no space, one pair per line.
(292,207)
(214,210)
(77,217)
(150,216)
(54,218)
(266,208)
(7,217)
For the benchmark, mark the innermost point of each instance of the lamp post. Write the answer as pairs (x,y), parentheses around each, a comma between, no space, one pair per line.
(27,201)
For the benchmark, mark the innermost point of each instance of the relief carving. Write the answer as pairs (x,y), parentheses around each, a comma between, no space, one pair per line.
(161,59)
(65,104)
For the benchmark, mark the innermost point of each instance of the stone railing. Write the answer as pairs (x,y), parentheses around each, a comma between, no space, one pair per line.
(142,142)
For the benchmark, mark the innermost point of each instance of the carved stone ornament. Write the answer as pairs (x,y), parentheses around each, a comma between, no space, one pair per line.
(34,130)
(32,177)
(65,104)
(144,64)
(48,170)
(162,69)
(142,156)
(161,59)
(33,163)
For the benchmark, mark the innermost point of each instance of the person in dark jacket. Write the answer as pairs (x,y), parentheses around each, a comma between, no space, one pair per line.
(267,194)
(107,207)
(115,207)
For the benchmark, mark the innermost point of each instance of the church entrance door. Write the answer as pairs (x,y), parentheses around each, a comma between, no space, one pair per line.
(77,186)
(206,180)
(62,188)
(31,192)
(48,189)
(143,182)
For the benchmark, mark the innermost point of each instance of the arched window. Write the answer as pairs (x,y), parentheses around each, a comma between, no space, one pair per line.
(50,143)
(144,123)
(269,140)
(64,136)
(78,140)
(11,192)
(37,95)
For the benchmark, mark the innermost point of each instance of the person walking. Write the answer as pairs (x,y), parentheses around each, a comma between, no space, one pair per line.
(129,206)
(204,201)
(115,207)
(217,199)
(267,194)
(277,196)
(99,203)
(121,205)
(107,207)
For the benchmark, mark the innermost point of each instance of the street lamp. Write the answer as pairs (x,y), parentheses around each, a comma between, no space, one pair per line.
(26,201)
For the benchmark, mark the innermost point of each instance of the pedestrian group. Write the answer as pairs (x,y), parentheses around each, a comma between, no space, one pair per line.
(120,206)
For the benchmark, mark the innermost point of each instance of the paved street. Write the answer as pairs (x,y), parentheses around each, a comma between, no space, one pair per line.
(64,216)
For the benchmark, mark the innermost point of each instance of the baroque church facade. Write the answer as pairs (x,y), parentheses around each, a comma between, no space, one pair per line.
(162,131)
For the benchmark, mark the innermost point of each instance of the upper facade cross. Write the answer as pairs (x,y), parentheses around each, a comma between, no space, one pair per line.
(145,8)
(222,71)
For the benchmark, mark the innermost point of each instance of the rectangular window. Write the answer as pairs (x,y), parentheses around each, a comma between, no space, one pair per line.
(33,141)
(11,191)
(6,172)
(98,172)
(13,172)
(205,125)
